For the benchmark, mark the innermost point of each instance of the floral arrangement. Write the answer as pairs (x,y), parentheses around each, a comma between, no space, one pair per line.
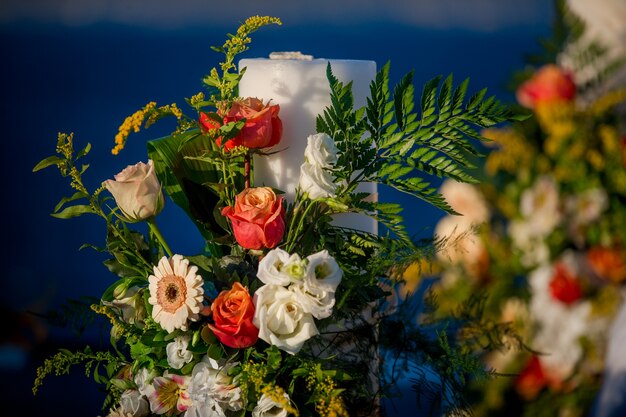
(284,312)
(544,236)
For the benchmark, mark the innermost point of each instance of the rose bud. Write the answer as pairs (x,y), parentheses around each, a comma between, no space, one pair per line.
(608,263)
(262,129)
(258,218)
(233,312)
(137,192)
(549,84)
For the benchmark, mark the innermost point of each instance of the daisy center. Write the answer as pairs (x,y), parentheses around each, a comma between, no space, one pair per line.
(171,293)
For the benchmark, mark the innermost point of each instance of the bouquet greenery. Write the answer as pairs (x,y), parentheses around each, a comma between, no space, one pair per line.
(545,235)
(284,312)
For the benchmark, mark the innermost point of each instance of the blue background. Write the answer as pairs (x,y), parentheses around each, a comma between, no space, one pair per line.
(87,77)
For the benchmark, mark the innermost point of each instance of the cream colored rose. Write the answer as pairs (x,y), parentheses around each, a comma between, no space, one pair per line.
(321,151)
(137,191)
(281,318)
(316,182)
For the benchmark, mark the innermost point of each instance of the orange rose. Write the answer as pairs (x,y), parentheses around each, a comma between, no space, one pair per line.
(549,84)
(608,263)
(233,311)
(263,128)
(258,218)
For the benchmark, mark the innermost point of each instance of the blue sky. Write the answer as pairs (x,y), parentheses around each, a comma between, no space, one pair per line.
(477,15)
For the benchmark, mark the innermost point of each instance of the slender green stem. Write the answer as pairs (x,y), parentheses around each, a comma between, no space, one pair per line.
(300,223)
(154,228)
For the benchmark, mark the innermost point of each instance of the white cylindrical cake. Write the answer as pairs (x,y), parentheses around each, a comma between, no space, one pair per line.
(299,85)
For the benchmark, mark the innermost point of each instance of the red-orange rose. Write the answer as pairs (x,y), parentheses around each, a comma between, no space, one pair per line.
(608,263)
(263,128)
(549,84)
(258,218)
(564,286)
(233,311)
(531,380)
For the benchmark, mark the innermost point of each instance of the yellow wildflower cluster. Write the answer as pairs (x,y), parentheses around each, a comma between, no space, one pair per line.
(254,374)
(277,395)
(329,402)
(558,122)
(131,123)
(237,43)
(150,113)
(513,151)
(607,101)
(120,328)
(195,100)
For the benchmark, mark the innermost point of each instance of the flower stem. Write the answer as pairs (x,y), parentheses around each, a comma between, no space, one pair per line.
(246,169)
(155,230)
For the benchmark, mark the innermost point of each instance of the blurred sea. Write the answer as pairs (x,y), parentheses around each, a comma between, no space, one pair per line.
(86,80)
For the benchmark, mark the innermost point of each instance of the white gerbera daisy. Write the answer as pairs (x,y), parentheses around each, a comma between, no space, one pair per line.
(175,293)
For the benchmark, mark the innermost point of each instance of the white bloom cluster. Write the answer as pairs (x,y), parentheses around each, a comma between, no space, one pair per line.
(560,326)
(212,391)
(540,209)
(295,292)
(320,156)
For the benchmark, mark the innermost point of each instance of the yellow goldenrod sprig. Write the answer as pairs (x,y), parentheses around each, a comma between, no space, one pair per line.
(237,43)
(150,113)
(328,399)
(131,123)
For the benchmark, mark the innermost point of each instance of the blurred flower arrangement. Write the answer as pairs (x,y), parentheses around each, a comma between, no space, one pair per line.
(545,238)
(269,319)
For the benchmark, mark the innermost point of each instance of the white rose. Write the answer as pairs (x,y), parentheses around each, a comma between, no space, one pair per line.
(321,151)
(280,268)
(266,407)
(137,191)
(177,353)
(316,181)
(134,403)
(323,272)
(317,302)
(281,319)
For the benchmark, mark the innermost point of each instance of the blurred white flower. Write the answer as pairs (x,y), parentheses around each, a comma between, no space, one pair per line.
(466,200)
(212,391)
(462,245)
(266,407)
(177,353)
(532,249)
(539,205)
(559,326)
(134,403)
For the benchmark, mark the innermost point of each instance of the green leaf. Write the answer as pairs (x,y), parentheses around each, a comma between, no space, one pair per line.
(76,196)
(73,211)
(84,151)
(51,160)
